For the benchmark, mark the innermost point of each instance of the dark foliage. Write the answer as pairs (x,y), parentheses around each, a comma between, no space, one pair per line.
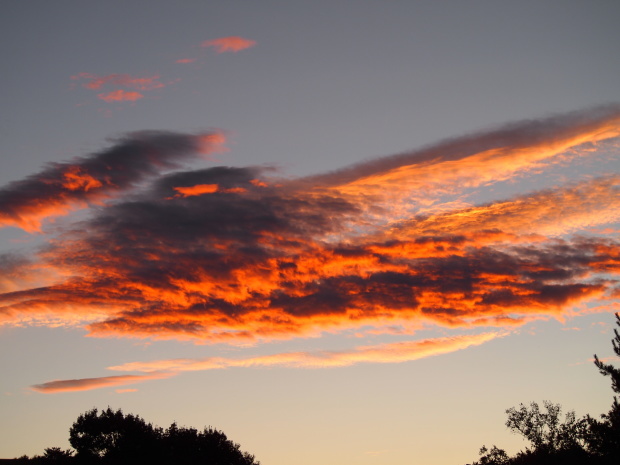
(570,442)
(112,438)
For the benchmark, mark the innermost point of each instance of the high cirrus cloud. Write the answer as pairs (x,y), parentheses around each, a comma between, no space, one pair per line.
(62,187)
(229,44)
(235,255)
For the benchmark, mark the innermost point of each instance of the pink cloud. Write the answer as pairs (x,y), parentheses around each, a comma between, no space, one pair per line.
(186,60)
(120,95)
(125,80)
(229,44)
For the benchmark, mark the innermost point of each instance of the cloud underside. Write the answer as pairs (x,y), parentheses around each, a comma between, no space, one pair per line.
(239,256)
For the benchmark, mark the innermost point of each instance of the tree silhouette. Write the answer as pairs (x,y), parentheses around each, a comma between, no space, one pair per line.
(604,438)
(493,456)
(57,456)
(609,370)
(545,430)
(115,438)
(551,439)
(572,441)
(111,437)
(185,446)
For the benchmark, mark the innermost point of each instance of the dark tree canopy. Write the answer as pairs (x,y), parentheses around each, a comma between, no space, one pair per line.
(112,437)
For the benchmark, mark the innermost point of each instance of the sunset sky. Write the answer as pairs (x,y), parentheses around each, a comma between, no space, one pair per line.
(341,231)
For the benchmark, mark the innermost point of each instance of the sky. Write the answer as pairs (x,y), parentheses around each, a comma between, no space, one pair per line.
(339,231)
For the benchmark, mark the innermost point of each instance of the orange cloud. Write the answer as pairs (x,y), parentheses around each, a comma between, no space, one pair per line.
(141,84)
(185,60)
(550,213)
(87,384)
(211,142)
(410,183)
(283,259)
(120,96)
(397,352)
(200,189)
(63,187)
(229,44)
(95,82)
(75,179)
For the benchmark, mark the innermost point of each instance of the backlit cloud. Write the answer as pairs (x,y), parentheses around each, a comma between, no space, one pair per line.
(91,180)
(229,44)
(235,255)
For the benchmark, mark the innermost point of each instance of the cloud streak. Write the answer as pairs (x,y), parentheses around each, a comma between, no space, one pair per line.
(397,352)
(87,384)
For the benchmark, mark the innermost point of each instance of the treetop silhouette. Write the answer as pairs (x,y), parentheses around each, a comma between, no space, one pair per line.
(574,440)
(112,437)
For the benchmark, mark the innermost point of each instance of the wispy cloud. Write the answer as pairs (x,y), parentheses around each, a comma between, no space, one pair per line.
(397,352)
(128,88)
(86,384)
(229,44)
(125,81)
(95,82)
(120,96)
(383,353)
(235,255)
